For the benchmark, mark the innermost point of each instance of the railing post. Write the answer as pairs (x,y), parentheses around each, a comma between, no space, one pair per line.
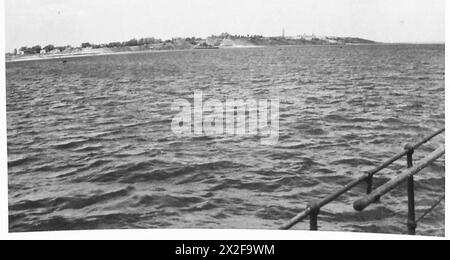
(412,225)
(313,217)
(369,184)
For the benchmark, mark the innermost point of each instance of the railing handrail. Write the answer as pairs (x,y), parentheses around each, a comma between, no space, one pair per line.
(405,151)
(313,209)
(364,202)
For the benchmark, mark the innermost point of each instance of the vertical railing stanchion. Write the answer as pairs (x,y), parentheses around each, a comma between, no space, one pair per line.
(313,217)
(313,223)
(369,184)
(412,225)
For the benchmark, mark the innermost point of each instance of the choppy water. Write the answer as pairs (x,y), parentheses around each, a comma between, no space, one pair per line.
(90,145)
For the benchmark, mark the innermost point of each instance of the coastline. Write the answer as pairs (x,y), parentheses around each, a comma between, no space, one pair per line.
(151,45)
(110,52)
(43,57)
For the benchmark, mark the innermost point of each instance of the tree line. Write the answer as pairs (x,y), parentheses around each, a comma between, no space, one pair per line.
(131,43)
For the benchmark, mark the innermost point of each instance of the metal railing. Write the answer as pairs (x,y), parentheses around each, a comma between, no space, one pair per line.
(313,209)
(408,176)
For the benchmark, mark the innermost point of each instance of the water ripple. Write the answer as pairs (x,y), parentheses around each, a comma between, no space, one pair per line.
(90,145)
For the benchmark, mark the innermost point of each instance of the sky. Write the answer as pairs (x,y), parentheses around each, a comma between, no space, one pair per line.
(71,22)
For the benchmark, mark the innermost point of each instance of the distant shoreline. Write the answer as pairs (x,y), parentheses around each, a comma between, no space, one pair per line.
(110,52)
(225,40)
(42,57)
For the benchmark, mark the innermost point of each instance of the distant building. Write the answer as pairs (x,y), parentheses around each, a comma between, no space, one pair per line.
(43,51)
(332,41)
(227,43)
(308,37)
